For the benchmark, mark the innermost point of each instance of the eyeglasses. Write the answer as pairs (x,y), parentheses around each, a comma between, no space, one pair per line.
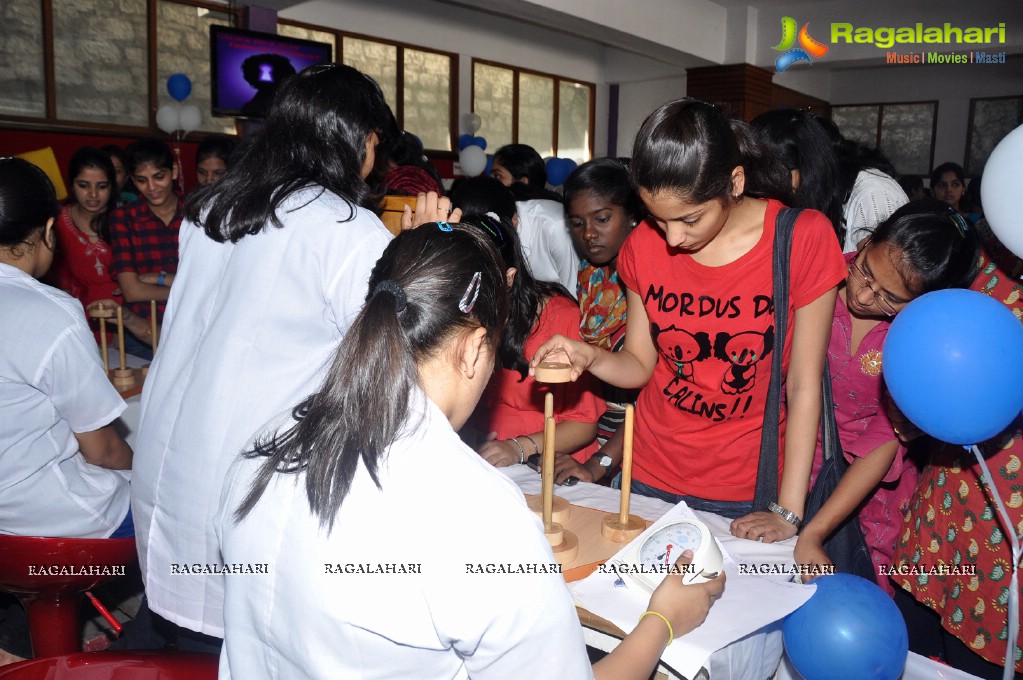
(862,279)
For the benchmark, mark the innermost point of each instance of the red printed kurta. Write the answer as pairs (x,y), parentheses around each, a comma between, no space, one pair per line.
(82,266)
(699,419)
(952,524)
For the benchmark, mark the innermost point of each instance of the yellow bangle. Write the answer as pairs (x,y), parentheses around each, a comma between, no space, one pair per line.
(662,617)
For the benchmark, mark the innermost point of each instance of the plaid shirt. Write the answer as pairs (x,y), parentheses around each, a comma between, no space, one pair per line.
(142,243)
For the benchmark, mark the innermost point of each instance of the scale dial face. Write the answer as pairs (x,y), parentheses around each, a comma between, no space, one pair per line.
(666,545)
(653,558)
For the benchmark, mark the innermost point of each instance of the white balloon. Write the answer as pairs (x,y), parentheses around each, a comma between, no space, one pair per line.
(168,118)
(1000,193)
(191,117)
(471,123)
(473,161)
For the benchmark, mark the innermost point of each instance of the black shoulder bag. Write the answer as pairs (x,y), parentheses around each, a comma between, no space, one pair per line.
(846,546)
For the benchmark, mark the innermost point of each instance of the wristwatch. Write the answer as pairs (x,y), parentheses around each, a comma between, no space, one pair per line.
(787,515)
(604,461)
(161,279)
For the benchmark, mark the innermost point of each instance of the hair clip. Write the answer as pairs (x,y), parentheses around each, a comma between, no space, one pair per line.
(444,226)
(958,221)
(490,226)
(472,292)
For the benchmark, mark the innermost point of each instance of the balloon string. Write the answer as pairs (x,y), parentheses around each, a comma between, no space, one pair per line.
(1012,624)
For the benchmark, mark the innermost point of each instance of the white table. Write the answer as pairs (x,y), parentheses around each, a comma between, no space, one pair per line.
(756,656)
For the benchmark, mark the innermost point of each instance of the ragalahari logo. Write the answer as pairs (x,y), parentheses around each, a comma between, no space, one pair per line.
(808,47)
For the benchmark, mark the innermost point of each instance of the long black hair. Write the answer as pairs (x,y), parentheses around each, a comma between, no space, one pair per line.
(939,248)
(27,202)
(418,291)
(690,148)
(799,140)
(315,135)
(526,296)
(91,157)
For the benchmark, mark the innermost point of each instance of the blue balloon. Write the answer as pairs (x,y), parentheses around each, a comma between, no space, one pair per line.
(850,628)
(464,141)
(558,170)
(179,86)
(480,142)
(953,362)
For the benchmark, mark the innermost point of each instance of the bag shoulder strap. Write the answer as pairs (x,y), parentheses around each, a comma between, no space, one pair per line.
(767,469)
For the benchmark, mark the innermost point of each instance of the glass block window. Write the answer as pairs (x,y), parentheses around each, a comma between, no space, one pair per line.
(536,112)
(549,113)
(990,120)
(904,132)
(427,97)
(377,60)
(574,108)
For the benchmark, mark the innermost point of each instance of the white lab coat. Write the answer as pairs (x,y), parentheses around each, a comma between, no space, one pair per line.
(547,244)
(249,331)
(441,507)
(52,386)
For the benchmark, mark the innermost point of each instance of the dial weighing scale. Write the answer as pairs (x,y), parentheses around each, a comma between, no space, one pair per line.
(650,558)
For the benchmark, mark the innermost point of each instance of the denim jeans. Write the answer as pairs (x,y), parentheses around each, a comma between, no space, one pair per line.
(729,509)
(136,347)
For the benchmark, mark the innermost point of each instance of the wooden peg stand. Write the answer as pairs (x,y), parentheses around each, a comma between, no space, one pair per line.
(623,527)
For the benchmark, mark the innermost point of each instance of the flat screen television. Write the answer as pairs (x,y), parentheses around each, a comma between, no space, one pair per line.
(247,67)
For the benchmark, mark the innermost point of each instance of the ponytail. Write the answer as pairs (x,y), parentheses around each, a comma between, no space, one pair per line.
(690,148)
(431,284)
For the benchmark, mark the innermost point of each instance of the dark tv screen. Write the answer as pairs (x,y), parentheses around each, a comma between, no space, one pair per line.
(247,67)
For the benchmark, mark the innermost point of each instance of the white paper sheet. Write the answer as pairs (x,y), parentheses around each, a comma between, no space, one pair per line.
(749,603)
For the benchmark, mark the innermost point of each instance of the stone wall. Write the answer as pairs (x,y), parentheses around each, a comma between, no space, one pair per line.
(22,88)
(100,61)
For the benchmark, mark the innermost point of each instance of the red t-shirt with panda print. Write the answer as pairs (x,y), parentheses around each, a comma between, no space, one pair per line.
(699,419)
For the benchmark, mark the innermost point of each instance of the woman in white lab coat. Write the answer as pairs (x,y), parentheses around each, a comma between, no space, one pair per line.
(360,523)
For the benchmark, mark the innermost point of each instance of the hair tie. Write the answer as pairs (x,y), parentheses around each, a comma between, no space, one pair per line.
(958,221)
(388,286)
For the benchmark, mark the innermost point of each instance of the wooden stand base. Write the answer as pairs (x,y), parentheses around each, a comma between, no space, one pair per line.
(562,508)
(613,529)
(123,377)
(145,370)
(567,549)
(555,534)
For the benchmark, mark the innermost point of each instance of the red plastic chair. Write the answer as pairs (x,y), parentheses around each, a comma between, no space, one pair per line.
(30,569)
(116,666)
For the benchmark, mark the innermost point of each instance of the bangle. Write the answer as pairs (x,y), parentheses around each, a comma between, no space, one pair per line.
(536,449)
(522,451)
(161,280)
(787,515)
(662,617)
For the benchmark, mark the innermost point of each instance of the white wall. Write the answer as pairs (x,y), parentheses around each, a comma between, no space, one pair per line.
(645,83)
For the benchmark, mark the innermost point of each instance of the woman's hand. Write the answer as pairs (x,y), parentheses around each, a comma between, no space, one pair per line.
(566,466)
(810,551)
(766,527)
(500,452)
(685,606)
(560,349)
(105,303)
(429,208)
